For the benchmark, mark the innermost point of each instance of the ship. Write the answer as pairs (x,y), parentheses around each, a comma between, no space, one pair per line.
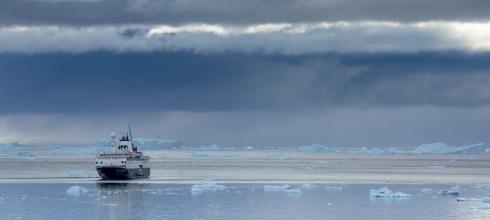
(123,161)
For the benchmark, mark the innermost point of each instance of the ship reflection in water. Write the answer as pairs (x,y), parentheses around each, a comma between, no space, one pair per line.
(116,200)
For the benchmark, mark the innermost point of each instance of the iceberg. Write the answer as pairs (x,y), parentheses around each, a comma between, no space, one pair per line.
(206,187)
(386,193)
(441,148)
(316,148)
(76,191)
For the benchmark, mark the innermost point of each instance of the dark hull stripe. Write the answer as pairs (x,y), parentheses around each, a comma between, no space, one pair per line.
(116,173)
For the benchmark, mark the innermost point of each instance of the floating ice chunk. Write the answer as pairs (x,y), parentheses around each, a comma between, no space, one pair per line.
(334,188)
(76,191)
(206,187)
(386,193)
(294,192)
(276,188)
(79,173)
(449,193)
(284,188)
(316,148)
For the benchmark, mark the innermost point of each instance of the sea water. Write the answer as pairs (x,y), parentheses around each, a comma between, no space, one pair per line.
(236,201)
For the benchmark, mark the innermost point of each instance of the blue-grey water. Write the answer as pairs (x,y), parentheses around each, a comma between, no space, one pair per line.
(164,201)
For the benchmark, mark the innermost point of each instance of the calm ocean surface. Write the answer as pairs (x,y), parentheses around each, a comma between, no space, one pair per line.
(162,201)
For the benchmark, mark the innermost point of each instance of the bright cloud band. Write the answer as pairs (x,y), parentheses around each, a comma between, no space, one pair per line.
(279,38)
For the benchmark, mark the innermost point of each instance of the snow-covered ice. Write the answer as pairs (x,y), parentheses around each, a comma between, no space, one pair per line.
(76,191)
(386,193)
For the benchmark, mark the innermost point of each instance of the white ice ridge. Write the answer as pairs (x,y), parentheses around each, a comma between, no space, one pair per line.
(386,193)
(206,187)
(76,191)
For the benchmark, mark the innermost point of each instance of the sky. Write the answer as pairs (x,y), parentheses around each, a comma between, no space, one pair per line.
(346,73)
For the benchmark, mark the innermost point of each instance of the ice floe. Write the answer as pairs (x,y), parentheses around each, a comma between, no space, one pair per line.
(276,188)
(284,188)
(76,191)
(206,187)
(334,188)
(386,193)
(293,192)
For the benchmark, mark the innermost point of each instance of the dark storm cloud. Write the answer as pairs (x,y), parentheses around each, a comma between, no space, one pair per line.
(110,82)
(104,12)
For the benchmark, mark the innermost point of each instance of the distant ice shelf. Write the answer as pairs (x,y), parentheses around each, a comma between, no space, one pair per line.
(434,148)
